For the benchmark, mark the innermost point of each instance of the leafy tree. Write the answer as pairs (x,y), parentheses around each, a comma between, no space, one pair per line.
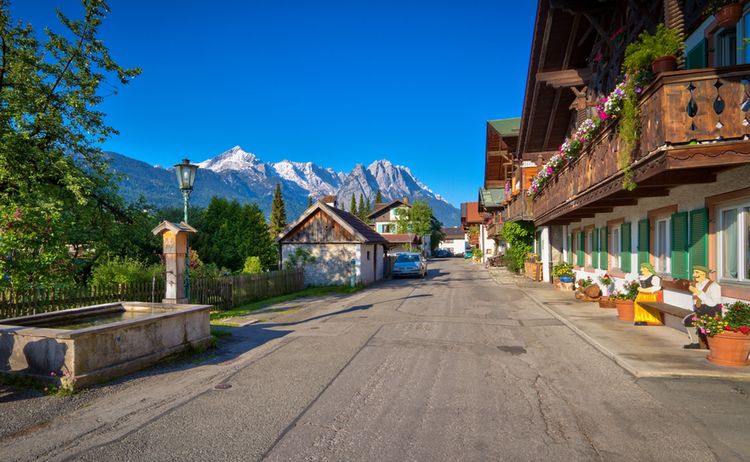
(278,212)
(416,219)
(50,162)
(378,197)
(232,232)
(353,206)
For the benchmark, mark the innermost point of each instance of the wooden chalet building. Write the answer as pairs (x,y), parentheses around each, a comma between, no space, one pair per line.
(500,146)
(690,163)
(472,217)
(341,244)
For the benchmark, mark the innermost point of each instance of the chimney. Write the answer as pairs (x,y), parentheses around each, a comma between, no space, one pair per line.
(329,200)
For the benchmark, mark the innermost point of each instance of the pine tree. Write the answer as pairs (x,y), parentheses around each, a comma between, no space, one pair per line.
(378,197)
(361,208)
(278,212)
(309,201)
(368,210)
(353,206)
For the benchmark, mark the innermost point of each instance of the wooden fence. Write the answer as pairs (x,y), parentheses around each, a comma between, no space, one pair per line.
(223,293)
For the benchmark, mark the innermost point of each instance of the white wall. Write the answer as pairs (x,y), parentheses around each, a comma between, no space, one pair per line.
(687,197)
(458,246)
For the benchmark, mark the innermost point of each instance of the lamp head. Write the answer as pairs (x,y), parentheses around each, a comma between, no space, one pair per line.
(185,172)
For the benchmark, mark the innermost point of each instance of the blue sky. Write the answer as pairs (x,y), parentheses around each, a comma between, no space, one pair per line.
(335,83)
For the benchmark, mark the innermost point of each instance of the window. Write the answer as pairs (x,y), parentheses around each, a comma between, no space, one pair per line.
(616,240)
(368,255)
(725,47)
(662,247)
(734,243)
(589,248)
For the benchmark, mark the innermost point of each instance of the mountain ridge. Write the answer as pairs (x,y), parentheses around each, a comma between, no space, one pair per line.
(242,175)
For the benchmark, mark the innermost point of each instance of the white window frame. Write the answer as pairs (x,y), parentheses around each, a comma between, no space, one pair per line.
(668,243)
(616,246)
(743,217)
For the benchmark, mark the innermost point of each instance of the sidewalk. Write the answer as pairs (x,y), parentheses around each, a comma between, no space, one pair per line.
(647,351)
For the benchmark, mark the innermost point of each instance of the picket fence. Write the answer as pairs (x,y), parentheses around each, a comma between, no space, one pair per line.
(223,293)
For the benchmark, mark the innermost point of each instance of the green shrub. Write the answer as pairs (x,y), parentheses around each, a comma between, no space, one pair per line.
(562,269)
(520,236)
(252,265)
(123,271)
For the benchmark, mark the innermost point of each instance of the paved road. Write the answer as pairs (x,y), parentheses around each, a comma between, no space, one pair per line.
(453,367)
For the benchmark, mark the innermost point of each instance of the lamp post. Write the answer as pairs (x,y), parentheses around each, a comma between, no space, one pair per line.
(186,178)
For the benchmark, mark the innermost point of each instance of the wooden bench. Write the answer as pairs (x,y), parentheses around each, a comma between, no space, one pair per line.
(666,308)
(672,316)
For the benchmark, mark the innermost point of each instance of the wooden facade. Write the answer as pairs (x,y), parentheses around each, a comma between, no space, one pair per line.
(319,228)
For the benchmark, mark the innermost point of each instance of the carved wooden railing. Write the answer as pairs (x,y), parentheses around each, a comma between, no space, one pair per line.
(678,108)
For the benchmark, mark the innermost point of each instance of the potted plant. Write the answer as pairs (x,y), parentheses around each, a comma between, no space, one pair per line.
(658,51)
(606,282)
(728,335)
(624,301)
(726,12)
(563,272)
(533,267)
(477,255)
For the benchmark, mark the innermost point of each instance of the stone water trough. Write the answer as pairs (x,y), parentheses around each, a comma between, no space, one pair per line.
(78,347)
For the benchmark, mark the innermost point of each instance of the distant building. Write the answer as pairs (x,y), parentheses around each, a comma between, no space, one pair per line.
(454,240)
(342,245)
(384,220)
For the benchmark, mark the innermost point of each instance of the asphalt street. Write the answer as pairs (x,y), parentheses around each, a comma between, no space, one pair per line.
(452,367)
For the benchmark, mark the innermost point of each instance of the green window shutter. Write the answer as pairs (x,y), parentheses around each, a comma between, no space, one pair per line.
(696,57)
(570,248)
(625,247)
(643,242)
(581,248)
(680,256)
(595,248)
(699,237)
(603,244)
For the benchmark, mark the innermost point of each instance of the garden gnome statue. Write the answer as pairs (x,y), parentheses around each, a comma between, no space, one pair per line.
(706,301)
(649,291)
(174,237)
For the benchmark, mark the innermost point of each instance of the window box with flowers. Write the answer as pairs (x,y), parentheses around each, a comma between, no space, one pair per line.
(728,335)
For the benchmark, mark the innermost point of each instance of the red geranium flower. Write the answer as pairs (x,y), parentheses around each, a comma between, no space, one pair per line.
(744,329)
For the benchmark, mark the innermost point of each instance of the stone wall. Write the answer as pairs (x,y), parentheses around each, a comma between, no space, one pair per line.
(331,265)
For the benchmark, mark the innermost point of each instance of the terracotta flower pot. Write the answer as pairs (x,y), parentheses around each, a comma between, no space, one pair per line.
(729,349)
(625,310)
(728,15)
(664,64)
(605,302)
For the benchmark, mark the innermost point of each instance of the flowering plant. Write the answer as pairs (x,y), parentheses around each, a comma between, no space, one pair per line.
(736,318)
(606,280)
(583,283)
(608,108)
(629,291)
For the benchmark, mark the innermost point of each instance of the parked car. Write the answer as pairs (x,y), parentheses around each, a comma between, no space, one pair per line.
(442,253)
(409,264)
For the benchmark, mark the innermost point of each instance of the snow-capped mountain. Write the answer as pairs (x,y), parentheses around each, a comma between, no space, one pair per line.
(238,174)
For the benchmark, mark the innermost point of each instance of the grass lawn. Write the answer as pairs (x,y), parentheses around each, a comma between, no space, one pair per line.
(308,292)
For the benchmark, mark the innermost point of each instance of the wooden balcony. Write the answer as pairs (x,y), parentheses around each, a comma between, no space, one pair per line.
(674,148)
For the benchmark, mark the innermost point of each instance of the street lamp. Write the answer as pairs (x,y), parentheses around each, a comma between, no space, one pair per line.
(185,178)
